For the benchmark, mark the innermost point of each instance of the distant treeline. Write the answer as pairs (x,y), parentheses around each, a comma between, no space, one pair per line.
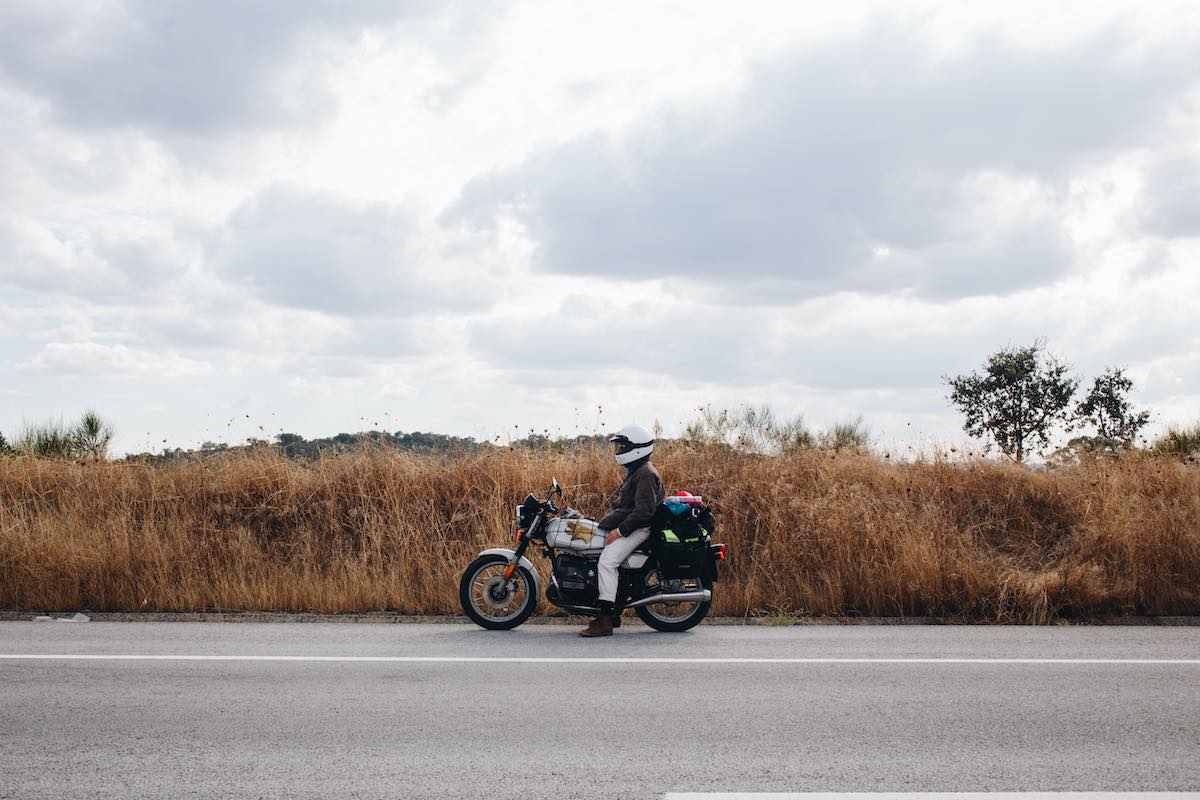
(293,445)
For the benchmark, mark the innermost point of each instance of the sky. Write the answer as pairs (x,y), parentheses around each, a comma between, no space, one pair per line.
(223,219)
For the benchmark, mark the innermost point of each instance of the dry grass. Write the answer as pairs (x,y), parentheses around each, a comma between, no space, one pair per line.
(811,533)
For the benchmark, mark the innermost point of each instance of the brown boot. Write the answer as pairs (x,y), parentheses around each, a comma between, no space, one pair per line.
(600,626)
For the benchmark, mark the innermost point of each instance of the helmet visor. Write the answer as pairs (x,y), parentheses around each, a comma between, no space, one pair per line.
(622,446)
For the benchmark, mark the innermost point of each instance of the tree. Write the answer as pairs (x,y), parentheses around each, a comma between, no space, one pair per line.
(290,442)
(91,436)
(1022,394)
(1106,408)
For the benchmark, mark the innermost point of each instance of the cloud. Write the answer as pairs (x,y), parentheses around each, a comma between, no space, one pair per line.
(653,337)
(1171,194)
(189,68)
(305,249)
(93,359)
(838,154)
(102,265)
(844,342)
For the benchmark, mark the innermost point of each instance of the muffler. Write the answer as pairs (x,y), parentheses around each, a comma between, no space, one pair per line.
(703,595)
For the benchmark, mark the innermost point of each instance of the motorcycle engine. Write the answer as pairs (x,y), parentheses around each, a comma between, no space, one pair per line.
(576,579)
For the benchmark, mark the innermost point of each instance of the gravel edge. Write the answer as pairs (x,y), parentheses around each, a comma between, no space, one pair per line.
(385,617)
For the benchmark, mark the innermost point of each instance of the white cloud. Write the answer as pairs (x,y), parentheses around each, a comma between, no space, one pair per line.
(310,250)
(835,150)
(94,359)
(185,68)
(101,265)
(1173,186)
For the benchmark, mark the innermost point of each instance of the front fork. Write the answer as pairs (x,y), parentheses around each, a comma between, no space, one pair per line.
(511,569)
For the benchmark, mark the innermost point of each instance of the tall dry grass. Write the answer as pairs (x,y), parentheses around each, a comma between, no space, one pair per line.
(813,532)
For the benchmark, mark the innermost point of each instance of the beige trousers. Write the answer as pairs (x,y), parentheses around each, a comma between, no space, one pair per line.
(610,560)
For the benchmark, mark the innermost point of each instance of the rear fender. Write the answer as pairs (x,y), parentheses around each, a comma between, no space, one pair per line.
(511,555)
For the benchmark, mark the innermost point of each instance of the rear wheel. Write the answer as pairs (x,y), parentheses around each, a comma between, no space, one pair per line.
(674,617)
(490,601)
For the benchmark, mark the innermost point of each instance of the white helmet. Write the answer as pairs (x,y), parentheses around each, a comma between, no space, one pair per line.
(632,442)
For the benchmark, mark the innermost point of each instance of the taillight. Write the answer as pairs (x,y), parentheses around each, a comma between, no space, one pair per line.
(718,551)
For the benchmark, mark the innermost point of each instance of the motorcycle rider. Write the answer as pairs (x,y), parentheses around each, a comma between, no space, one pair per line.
(627,524)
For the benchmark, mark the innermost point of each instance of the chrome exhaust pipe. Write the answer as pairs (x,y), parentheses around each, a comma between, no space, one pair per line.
(703,595)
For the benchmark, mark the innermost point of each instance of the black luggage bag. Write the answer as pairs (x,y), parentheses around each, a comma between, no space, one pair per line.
(681,540)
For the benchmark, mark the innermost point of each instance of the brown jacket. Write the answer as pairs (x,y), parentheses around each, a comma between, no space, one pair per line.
(637,500)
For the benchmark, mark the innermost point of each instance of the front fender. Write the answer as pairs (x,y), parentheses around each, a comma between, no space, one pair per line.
(525,562)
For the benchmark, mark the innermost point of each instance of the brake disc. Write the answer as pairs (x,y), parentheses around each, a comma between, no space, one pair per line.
(497,593)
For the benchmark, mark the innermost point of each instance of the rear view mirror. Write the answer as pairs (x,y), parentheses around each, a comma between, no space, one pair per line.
(554,487)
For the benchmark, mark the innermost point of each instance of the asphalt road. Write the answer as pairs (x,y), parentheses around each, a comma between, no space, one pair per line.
(854,709)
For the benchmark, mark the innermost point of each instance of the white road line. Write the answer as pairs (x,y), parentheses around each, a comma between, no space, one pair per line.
(598,660)
(930,795)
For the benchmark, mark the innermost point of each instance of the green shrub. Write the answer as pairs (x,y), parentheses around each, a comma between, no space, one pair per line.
(46,440)
(752,429)
(89,438)
(849,435)
(1179,442)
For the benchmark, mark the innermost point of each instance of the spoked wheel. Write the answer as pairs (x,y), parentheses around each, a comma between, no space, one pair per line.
(489,600)
(674,617)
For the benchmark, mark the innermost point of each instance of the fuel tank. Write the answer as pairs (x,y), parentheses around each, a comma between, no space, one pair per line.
(579,534)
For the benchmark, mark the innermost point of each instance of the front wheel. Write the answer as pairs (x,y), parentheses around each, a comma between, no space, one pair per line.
(489,600)
(675,617)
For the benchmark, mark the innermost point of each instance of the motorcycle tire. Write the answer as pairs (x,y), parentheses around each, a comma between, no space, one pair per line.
(496,623)
(677,626)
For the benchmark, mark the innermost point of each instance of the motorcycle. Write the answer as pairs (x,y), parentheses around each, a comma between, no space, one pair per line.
(500,589)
